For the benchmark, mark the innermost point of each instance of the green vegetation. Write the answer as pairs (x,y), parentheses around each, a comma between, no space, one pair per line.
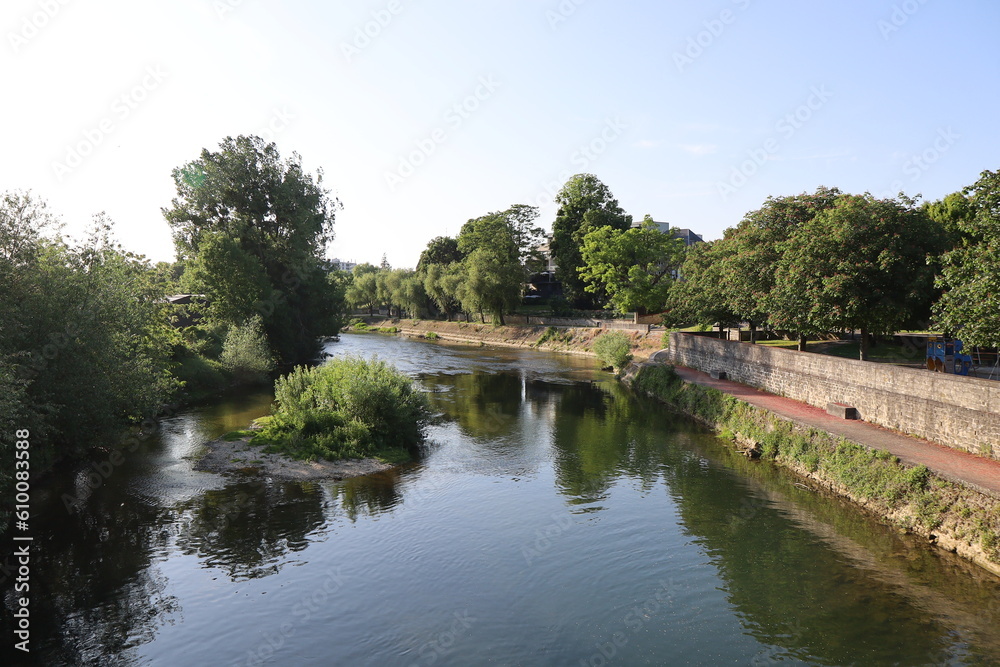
(245,353)
(613,349)
(347,408)
(251,230)
(84,340)
(970,276)
(585,204)
(634,267)
(918,499)
(431,335)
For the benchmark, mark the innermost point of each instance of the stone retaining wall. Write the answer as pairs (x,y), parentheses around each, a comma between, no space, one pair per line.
(960,412)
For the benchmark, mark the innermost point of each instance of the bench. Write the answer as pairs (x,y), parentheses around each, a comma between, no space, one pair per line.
(842,410)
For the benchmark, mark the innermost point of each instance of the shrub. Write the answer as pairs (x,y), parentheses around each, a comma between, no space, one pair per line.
(245,352)
(614,349)
(348,408)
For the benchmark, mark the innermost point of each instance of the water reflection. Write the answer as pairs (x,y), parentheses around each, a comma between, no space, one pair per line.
(249,529)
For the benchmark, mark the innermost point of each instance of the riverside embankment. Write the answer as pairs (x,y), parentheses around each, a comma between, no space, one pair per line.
(949,497)
(570,340)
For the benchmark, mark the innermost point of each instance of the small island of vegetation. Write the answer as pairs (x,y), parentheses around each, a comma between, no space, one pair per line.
(349,408)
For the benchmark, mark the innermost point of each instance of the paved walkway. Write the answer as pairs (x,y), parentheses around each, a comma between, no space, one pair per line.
(975,471)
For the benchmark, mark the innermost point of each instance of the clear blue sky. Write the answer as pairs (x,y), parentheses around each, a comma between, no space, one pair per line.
(693,112)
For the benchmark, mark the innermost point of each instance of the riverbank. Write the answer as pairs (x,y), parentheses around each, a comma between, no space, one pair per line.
(949,512)
(568,340)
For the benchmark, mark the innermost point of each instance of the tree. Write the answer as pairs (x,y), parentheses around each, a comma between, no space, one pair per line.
(582,194)
(698,295)
(860,265)
(496,247)
(634,266)
(441,250)
(254,228)
(970,275)
(442,286)
(748,254)
(363,289)
(84,342)
(492,283)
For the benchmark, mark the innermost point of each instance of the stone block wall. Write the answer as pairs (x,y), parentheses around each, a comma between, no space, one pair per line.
(960,412)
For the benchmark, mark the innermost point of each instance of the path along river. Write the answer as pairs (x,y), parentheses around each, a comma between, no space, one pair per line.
(554,520)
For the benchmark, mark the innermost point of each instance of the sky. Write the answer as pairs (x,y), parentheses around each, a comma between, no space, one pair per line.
(422,114)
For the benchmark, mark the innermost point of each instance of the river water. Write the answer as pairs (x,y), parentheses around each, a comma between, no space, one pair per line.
(555,519)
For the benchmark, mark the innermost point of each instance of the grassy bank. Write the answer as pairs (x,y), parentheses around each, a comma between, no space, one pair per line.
(949,515)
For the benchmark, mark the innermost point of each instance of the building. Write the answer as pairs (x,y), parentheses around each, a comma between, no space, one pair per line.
(337,265)
(689,237)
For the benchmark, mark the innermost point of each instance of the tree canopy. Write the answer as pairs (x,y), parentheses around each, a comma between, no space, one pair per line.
(970,274)
(861,264)
(253,228)
(633,266)
(585,204)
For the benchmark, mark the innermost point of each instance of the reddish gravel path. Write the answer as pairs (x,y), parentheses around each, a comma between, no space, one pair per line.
(975,471)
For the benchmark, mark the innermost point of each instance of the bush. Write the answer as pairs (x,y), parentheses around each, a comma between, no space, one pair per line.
(246,353)
(199,377)
(614,349)
(348,408)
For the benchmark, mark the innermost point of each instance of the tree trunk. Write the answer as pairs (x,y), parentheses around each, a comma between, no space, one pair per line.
(753,333)
(864,344)
(802,343)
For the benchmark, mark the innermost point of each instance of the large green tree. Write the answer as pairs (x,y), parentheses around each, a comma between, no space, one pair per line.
(749,253)
(440,250)
(970,276)
(862,264)
(585,204)
(634,266)
(698,296)
(497,248)
(253,228)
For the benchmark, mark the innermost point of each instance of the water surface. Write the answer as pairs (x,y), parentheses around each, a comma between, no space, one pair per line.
(555,519)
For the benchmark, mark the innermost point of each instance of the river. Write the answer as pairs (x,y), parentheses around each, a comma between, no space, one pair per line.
(555,519)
